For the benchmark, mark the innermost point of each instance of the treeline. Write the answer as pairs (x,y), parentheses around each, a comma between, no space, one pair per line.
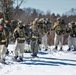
(28,14)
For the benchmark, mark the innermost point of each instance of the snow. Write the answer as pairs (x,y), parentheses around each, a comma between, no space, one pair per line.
(47,63)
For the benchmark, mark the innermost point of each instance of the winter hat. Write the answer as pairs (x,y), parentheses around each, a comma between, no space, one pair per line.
(20,22)
(58,19)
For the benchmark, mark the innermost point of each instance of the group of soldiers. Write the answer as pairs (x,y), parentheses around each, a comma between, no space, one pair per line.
(61,29)
(35,33)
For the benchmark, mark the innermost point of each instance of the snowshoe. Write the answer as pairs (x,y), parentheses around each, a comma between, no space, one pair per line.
(61,50)
(3,61)
(69,49)
(15,58)
(74,50)
(54,50)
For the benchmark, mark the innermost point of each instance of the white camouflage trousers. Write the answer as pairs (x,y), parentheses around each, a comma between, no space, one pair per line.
(19,49)
(72,42)
(44,41)
(58,40)
(3,50)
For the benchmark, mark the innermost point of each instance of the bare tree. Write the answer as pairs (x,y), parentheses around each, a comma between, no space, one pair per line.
(7,7)
(18,3)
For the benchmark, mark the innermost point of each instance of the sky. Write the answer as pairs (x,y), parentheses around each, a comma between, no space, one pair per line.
(54,6)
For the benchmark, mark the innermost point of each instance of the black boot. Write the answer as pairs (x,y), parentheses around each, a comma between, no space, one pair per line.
(7,52)
(34,54)
(55,48)
(68,49)
(15,58)
(46,49)
(61,49)
(20,59)
(74,49)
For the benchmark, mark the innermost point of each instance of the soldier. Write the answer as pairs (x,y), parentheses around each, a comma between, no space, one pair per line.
(3,43)
(38,23)
(72,36)
(7,25)
(28,36)
(59,28)
(19,35)
(34,40)
(46,32)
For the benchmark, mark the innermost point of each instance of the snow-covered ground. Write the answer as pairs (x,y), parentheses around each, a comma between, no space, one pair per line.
(47,63)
